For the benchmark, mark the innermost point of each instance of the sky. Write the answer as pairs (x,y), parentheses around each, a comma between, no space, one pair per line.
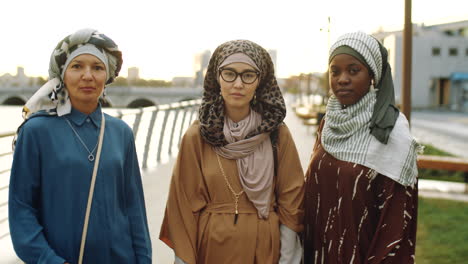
(161,37)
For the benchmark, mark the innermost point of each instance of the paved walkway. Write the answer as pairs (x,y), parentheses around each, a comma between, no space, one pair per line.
(445,130)
(156,184)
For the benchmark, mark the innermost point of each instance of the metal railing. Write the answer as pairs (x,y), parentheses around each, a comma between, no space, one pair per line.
(170,131)
(188,109)
(5,155)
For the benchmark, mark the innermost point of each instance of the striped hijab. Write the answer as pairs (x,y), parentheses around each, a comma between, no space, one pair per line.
(348,133)
(375,56)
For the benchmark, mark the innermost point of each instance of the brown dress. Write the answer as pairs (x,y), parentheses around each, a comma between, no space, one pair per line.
(354,215)
(199,218)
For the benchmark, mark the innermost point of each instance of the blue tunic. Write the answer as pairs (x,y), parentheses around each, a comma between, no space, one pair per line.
(49,186)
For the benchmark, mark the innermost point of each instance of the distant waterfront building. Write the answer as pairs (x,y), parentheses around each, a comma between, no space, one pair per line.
(440,64)
(18,80)
(133,74)
(182,82)
(200,65)
(273,55)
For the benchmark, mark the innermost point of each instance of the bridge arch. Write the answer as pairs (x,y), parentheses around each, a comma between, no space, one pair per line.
(14,100)
(141,102)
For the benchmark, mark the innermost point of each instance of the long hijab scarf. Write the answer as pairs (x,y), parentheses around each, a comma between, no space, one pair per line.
(251,143)
(52,98)
(368,133)
(254,158)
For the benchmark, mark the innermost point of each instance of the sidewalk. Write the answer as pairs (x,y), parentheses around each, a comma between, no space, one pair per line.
(456,191)
(156,187)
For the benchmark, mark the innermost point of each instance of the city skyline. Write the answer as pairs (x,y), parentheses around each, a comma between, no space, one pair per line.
(161,39)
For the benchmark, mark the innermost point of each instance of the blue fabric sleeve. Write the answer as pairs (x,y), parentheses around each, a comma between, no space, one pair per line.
(28,239)
(136,207)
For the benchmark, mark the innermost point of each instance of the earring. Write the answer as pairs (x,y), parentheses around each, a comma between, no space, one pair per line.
(254,101)
(371,86)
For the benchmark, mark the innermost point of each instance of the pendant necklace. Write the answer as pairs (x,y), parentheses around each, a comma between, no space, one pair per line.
(91,155)
(236,195)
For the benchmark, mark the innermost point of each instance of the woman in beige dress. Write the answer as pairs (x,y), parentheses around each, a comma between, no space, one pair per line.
(237,188)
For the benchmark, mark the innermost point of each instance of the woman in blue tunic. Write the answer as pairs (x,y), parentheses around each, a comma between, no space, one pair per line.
(55,155)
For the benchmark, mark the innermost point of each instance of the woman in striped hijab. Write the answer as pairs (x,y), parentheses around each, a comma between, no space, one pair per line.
(361,189)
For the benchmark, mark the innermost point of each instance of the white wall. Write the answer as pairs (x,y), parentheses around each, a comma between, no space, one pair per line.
(426,67)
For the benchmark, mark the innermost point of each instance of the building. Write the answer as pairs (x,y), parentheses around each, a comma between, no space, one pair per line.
(273,55)
(180,81)
(133,74)
(18,80)
(440,64)
(200,66)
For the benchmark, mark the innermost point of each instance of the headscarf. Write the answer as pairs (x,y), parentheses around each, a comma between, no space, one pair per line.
(372,54)
(52,97)
(389,148)
(248,142)
(238,57)
(269,102)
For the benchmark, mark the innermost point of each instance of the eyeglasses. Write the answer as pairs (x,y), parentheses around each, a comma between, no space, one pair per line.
(247,77)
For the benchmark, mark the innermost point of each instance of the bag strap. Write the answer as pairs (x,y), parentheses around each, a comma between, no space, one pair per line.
(91,189)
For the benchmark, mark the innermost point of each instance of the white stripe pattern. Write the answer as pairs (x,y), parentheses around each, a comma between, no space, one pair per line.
(365,45)
(346,136)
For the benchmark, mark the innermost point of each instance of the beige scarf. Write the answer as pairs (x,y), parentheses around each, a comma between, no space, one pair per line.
(254,157)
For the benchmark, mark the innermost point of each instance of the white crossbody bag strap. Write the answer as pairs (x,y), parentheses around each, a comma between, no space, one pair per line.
(91,190)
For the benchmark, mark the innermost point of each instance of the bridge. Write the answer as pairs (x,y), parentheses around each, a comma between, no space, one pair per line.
(116,96)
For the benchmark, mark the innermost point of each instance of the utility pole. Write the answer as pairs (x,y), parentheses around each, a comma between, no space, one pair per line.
(327,85)
(309,101)
(328,35)
(407,62)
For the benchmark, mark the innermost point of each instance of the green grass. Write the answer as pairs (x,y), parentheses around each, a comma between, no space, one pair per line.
(441,175)
(431,150)
(442,235)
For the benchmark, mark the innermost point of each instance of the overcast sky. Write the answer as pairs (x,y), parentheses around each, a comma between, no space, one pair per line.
(162,36)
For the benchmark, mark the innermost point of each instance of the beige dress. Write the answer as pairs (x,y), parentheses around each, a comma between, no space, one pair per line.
(199,218)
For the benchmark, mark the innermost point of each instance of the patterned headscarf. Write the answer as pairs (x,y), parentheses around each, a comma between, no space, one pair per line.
(269,101)
(374,55)
(52,97)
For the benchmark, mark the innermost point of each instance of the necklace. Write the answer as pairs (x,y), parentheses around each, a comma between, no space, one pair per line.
(236,195)
(91,155)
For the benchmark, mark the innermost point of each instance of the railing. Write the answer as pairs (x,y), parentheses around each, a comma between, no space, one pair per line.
(5,157)
(145,139)
(445,163)
(152,135)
